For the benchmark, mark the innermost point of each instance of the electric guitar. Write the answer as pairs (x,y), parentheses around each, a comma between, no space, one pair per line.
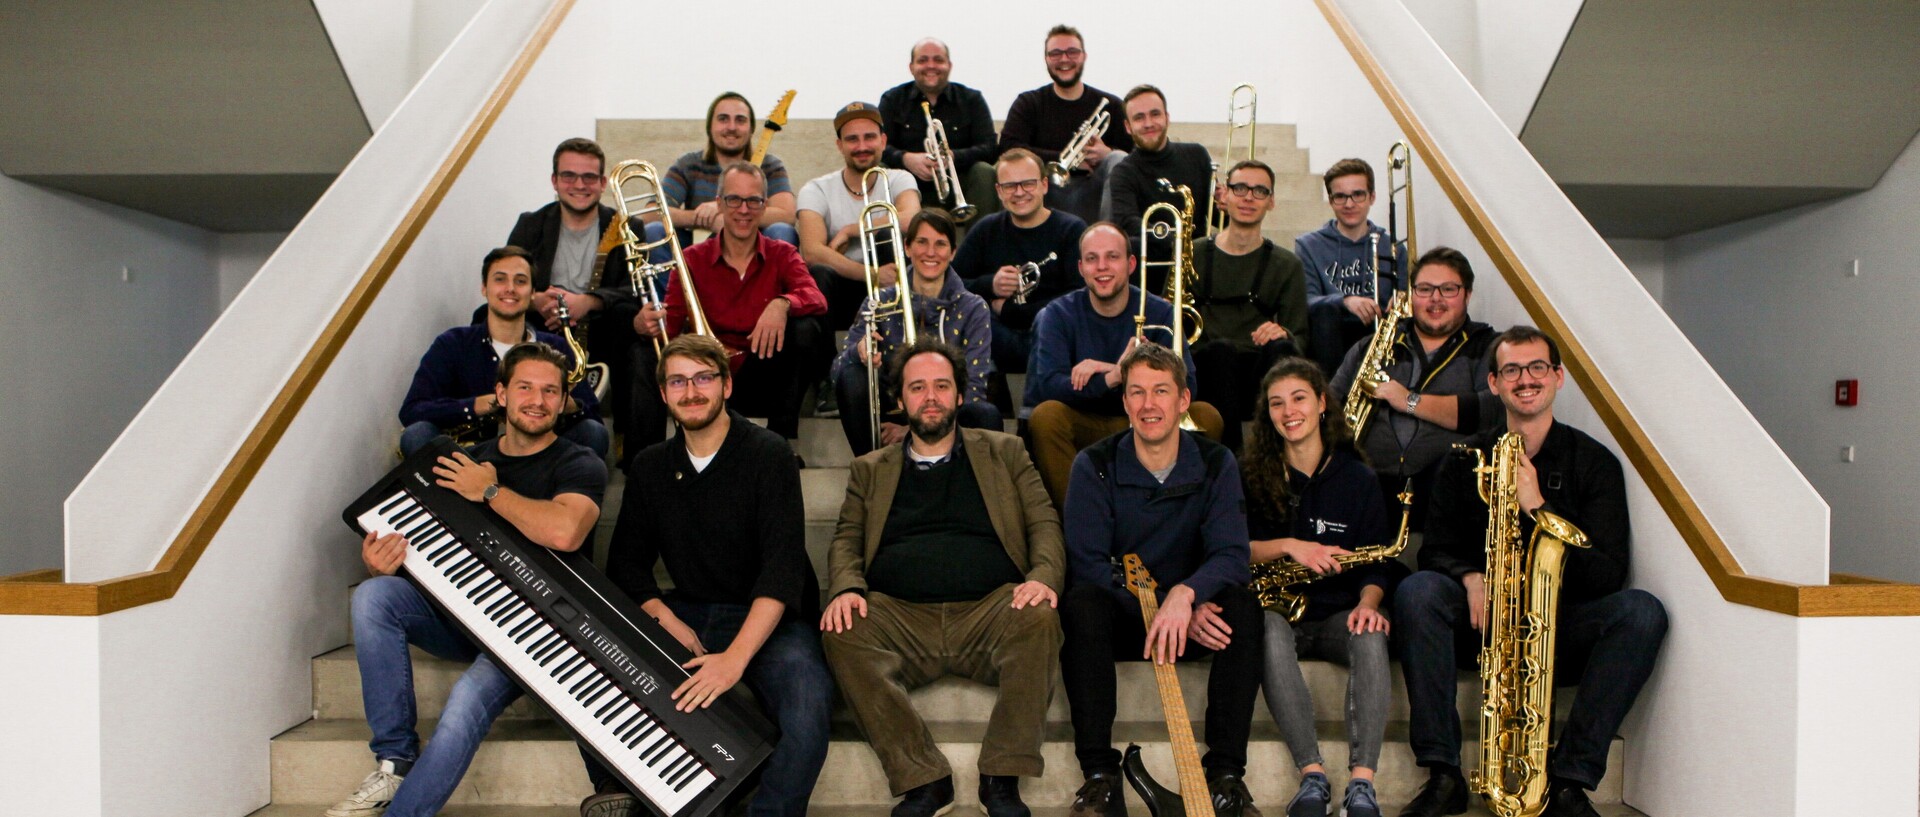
(775,121)
(1186,758)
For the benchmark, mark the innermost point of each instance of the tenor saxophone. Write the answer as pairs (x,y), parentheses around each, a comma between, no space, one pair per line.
(1516,647)
(1372,370)
(1276,583)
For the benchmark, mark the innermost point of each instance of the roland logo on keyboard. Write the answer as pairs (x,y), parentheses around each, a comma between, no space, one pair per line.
(420,479)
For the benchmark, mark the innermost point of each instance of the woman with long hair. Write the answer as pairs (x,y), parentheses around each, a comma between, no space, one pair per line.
(1311,498)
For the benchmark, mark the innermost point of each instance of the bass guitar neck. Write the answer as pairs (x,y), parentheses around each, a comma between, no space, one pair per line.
(1193,799)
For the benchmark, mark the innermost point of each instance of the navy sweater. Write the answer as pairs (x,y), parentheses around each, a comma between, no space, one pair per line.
(460,366)
(1340,505)
(1338,266)
(1192,530)
(1069,331)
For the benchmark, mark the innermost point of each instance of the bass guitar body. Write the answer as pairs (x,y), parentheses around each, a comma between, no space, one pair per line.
(1161,801)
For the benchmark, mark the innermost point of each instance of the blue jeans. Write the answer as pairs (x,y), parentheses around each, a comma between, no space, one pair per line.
(588,432)
(661,254)
(789,677)
(389,613)
(1606,645)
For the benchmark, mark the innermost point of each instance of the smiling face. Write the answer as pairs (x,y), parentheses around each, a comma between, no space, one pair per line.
(930,66)
(930,252)
(1526,395)
(692,405)
(1295,409)
(860,144)
(1438,315)
(742,220)
(1106,265)
(730,128)
(1066,58)
(1154,403)
(577,181)
(1147,121)
(1350,199)
(1249,210)
(532,397)
(930,394)
(1022,188)
(508,288)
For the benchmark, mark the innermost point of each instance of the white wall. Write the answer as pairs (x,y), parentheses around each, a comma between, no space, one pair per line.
(385,47)
(238,257)
(1519,40)
(1770,302)
(91,347)
(1647,259)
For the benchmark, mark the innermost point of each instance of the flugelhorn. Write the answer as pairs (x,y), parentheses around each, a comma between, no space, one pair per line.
(642,274)
(880,226)
(1060,171)
(1173,222)
(1030,277)
(1243,98)
(946,174)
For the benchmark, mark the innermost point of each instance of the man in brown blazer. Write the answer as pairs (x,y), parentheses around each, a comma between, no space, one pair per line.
(948,559)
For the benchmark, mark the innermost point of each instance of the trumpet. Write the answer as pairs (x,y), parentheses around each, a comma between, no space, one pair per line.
(1179,268)
(1216,219)
(1276,583)
(946,175)
(1030,277)
(1060,172)
(642,274)
(880,226)
(1399,183)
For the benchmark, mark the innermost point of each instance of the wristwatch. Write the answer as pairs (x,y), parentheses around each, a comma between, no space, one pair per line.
(486,496)
(1413,400)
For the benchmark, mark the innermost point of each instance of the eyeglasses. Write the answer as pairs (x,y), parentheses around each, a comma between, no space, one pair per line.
(1259,192)
(701,380)
(1350,198)
(1065,52)
(1443,290)
(752,202)
(1028,185)
(1538,368)
(570,177)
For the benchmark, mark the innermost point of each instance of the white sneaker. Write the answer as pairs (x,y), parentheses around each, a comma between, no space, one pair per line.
(375,793)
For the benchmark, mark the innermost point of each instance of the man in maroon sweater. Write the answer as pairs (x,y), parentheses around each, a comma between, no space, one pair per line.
(759,300)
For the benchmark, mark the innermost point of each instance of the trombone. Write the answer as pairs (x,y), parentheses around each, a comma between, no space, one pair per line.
(643,274)
(1237,102)
(1399,184)
(1060,172)
(1172,224)
(880,226)
(946,175)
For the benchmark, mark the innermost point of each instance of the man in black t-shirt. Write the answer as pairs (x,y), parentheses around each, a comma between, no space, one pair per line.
(720,505)
(1135,183)
(1045,119)
(1025,231)
(546,487)
(947,560)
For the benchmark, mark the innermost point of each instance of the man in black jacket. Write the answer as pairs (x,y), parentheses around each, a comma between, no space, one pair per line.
(963,114)
(1045,120)
(1608,636)
(1135,183)
(720,505)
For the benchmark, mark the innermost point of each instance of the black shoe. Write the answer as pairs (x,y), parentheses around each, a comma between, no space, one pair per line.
(1566,799)
(1000,796)
(1445,793)
(926,801)
(1230,796)
(829,403)
(1100,796)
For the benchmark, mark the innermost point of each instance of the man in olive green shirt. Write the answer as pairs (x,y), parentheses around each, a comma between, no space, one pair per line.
(1252,297)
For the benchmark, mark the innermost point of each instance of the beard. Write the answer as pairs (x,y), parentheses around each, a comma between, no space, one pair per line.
(935,428)
(528,427)
(688,414)
(1066,81)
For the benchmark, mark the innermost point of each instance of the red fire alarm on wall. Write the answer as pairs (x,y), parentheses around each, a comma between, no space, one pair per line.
(1846,392)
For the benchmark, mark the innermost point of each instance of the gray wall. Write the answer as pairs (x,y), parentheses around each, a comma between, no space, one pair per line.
(1770,303)
(87,348)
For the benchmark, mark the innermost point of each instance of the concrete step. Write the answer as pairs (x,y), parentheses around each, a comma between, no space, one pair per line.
(336,692)
(534,763)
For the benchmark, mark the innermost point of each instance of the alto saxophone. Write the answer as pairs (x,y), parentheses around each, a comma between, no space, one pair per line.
(1372,369)
(1516,648)
(1276,583)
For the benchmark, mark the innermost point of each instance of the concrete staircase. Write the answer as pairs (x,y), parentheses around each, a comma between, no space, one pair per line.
(807,148)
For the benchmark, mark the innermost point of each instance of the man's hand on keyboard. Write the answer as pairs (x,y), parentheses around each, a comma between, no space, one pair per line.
(681,632)
(383,554)
(465,477)
(715,673)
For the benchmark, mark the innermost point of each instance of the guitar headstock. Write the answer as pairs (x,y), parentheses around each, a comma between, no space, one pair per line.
(778,118)
(1135,574)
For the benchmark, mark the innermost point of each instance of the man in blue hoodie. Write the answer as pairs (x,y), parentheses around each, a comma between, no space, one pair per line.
(1343,297)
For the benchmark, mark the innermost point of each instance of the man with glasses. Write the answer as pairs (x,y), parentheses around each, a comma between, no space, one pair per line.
(1437,392)
(1025,231)
(1607,636)
(691,187)
(1045,119)
(1343,299)
(1252,297)
(1136,185)
(759,300)
(962,112)
(720,506)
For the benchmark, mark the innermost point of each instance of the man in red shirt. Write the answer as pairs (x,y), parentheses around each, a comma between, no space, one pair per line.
(759,300)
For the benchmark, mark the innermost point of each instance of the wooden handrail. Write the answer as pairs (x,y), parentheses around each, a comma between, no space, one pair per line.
(23,596)
(1851,598)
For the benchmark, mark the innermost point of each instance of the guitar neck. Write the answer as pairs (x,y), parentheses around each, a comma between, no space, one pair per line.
(1173,705)
(761,144)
